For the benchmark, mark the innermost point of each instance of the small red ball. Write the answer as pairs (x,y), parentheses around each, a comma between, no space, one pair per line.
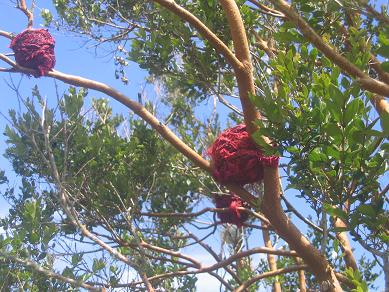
(34,49)
(237,159)
(233,215)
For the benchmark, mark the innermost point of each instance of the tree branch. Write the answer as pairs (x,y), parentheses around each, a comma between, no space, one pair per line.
(21,5)
(141,111)
(218,44)
(380,16)
(71,213)
(223,263)
(272,208)
(47,273)
(271,259)
(302,218)
(248,283)
(267,10)
(215,256)
(301,274)
(271,204)
(345,245)
(6,34)
(244,76)
(365,81)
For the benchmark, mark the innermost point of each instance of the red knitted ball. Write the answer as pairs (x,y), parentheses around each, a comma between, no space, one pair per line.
(233,215)
(237,159)
(34,49)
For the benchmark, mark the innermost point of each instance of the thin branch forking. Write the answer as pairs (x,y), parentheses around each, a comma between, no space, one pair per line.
(218,44)
(21,5)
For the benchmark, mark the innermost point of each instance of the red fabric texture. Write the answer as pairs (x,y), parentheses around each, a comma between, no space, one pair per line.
(237,159)
(233,215)
(34,49)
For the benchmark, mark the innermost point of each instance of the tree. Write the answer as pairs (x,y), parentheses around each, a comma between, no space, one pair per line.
(120,198)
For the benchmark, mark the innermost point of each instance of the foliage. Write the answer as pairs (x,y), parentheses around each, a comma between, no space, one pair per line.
(113,169)
(83,167)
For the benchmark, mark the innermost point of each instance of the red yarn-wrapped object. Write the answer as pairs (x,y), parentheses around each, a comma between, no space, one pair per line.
(237,159)
(34,49)
(233,215)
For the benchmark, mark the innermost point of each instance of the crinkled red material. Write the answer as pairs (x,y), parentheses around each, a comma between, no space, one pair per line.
(237,159)
(34,49)
(233,215)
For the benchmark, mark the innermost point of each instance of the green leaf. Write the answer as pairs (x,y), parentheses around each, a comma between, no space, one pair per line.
(76,258)
(373,133)
(334,131)
(335,212)
(98,264)
(339,229)
(46,16)
(367,210)
(352,109)
(383,51)
(317,155)
(336,95)
(385,123)
(292,149)
(335,245)
(383,38)
(385,66)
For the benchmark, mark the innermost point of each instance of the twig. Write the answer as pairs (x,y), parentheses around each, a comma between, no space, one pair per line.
(171,253)
(302,218)
(365,81)
(215,256)
(47,273)
(221,264)
(380,16)
(140,111)
(263,45)
(267,10)
(272,208)
(218,44)
(6,34)
(66,204)
(21,5)
(254,279)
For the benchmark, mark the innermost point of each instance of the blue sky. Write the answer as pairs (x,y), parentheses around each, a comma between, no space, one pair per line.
(74,58)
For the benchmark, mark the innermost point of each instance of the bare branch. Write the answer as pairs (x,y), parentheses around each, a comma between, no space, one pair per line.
(21,5)
(248,283)
(223,263)
(214,255)
(6,34)
(271,259)
(301,273)
(300,216)
(345,245)
(267,10)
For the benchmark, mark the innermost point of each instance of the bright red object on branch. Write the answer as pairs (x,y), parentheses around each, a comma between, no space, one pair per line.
(237,159)
(34,49)
(233,215)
